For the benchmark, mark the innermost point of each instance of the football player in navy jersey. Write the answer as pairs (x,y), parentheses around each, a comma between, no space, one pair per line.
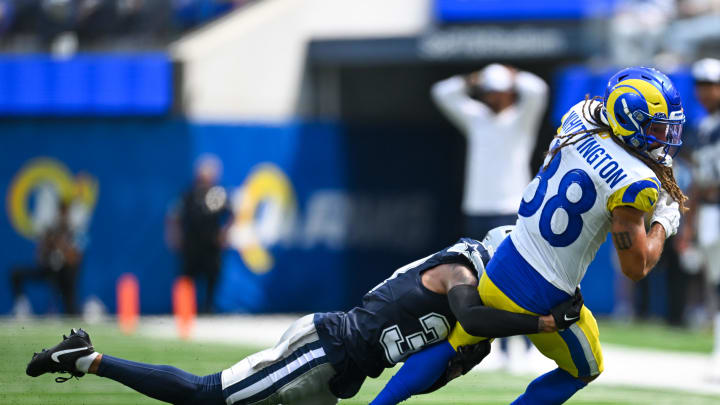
(326,356)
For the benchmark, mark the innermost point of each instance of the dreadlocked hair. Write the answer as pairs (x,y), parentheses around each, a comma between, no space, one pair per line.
(663,173)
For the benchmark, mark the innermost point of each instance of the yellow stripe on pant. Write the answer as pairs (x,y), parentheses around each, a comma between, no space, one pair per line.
(576,350)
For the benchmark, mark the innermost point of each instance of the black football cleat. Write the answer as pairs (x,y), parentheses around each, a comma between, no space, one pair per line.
(61,358)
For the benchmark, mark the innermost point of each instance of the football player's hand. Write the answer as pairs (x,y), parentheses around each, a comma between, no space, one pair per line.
(568,312)
(667,213)
(465,359)
(468,357)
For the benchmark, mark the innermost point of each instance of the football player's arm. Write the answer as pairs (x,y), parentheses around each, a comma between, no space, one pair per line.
(479,320)
(460,285)
(639,249)
(533,94)
(451,97)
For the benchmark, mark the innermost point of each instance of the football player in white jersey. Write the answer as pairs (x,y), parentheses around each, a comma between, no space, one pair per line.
(608,167)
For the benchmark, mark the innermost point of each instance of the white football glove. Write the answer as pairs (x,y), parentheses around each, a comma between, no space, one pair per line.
(667,215)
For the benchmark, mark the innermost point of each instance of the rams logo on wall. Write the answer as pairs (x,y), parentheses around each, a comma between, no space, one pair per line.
(37,188)
(265,209)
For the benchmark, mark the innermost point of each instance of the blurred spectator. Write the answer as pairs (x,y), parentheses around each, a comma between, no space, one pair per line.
(190,13)
(57,22)
(705,197)
(637,29)
(63,26)
(697,25)
(58,260)
(7,15)
(499,110)
(197,226)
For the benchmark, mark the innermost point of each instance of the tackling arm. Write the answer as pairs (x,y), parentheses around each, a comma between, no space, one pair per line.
(460,285)
(479,320)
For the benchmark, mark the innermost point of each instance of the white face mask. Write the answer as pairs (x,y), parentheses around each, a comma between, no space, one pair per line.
(658,153)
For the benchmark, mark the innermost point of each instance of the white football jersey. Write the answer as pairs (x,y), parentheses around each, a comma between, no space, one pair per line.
(564,215)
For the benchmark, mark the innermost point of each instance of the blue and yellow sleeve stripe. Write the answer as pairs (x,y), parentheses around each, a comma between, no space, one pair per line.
(562,121)
(641,195)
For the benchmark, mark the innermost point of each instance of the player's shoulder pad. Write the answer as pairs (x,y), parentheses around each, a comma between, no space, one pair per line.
(641,194)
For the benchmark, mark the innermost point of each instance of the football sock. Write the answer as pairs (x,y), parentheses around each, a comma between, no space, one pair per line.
(164,383)
(83,363)
(418,373)
(554,387)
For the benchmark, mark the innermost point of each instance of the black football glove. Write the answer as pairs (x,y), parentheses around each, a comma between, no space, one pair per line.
(568,312)
(464,360)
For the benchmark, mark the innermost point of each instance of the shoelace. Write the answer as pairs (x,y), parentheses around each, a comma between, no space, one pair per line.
(63,379)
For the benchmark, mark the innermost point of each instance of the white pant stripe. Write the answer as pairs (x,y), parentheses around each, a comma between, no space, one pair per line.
(587,350)
(277,375)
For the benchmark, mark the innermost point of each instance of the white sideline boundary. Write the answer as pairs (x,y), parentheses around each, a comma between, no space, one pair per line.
(623,366)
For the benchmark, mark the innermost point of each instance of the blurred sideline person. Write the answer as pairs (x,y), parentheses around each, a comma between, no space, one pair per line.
(325,356)
(197,227)
(608,166)
(499,110)
(705,195)
(58,261)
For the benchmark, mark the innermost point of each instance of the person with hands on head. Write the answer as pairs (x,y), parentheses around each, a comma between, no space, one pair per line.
(498,109)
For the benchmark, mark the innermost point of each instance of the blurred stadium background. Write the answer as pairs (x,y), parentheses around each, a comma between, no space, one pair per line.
(338,167)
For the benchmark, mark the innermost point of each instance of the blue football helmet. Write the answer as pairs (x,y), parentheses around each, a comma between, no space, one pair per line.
(644,110)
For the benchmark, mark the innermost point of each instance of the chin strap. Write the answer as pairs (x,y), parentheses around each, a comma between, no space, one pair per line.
(659,153)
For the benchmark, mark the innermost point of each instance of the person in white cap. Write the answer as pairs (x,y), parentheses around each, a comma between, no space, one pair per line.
(499,110)
(705,195)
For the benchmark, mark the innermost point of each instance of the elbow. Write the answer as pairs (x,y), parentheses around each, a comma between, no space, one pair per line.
(635,273)
(635,276)
(470,329)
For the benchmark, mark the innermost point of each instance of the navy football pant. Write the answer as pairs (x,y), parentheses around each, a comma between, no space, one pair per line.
(164,383)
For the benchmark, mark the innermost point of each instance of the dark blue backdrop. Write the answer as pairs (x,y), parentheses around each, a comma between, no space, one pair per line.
(139,167)
(366,202)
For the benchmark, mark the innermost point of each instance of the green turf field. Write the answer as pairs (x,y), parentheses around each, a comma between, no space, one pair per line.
(20,340)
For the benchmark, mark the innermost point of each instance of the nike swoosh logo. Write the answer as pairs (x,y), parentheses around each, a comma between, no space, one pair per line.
(61,352)
(570,319)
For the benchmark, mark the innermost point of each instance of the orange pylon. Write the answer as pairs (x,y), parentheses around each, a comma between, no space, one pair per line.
(184,305)
(128,303)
